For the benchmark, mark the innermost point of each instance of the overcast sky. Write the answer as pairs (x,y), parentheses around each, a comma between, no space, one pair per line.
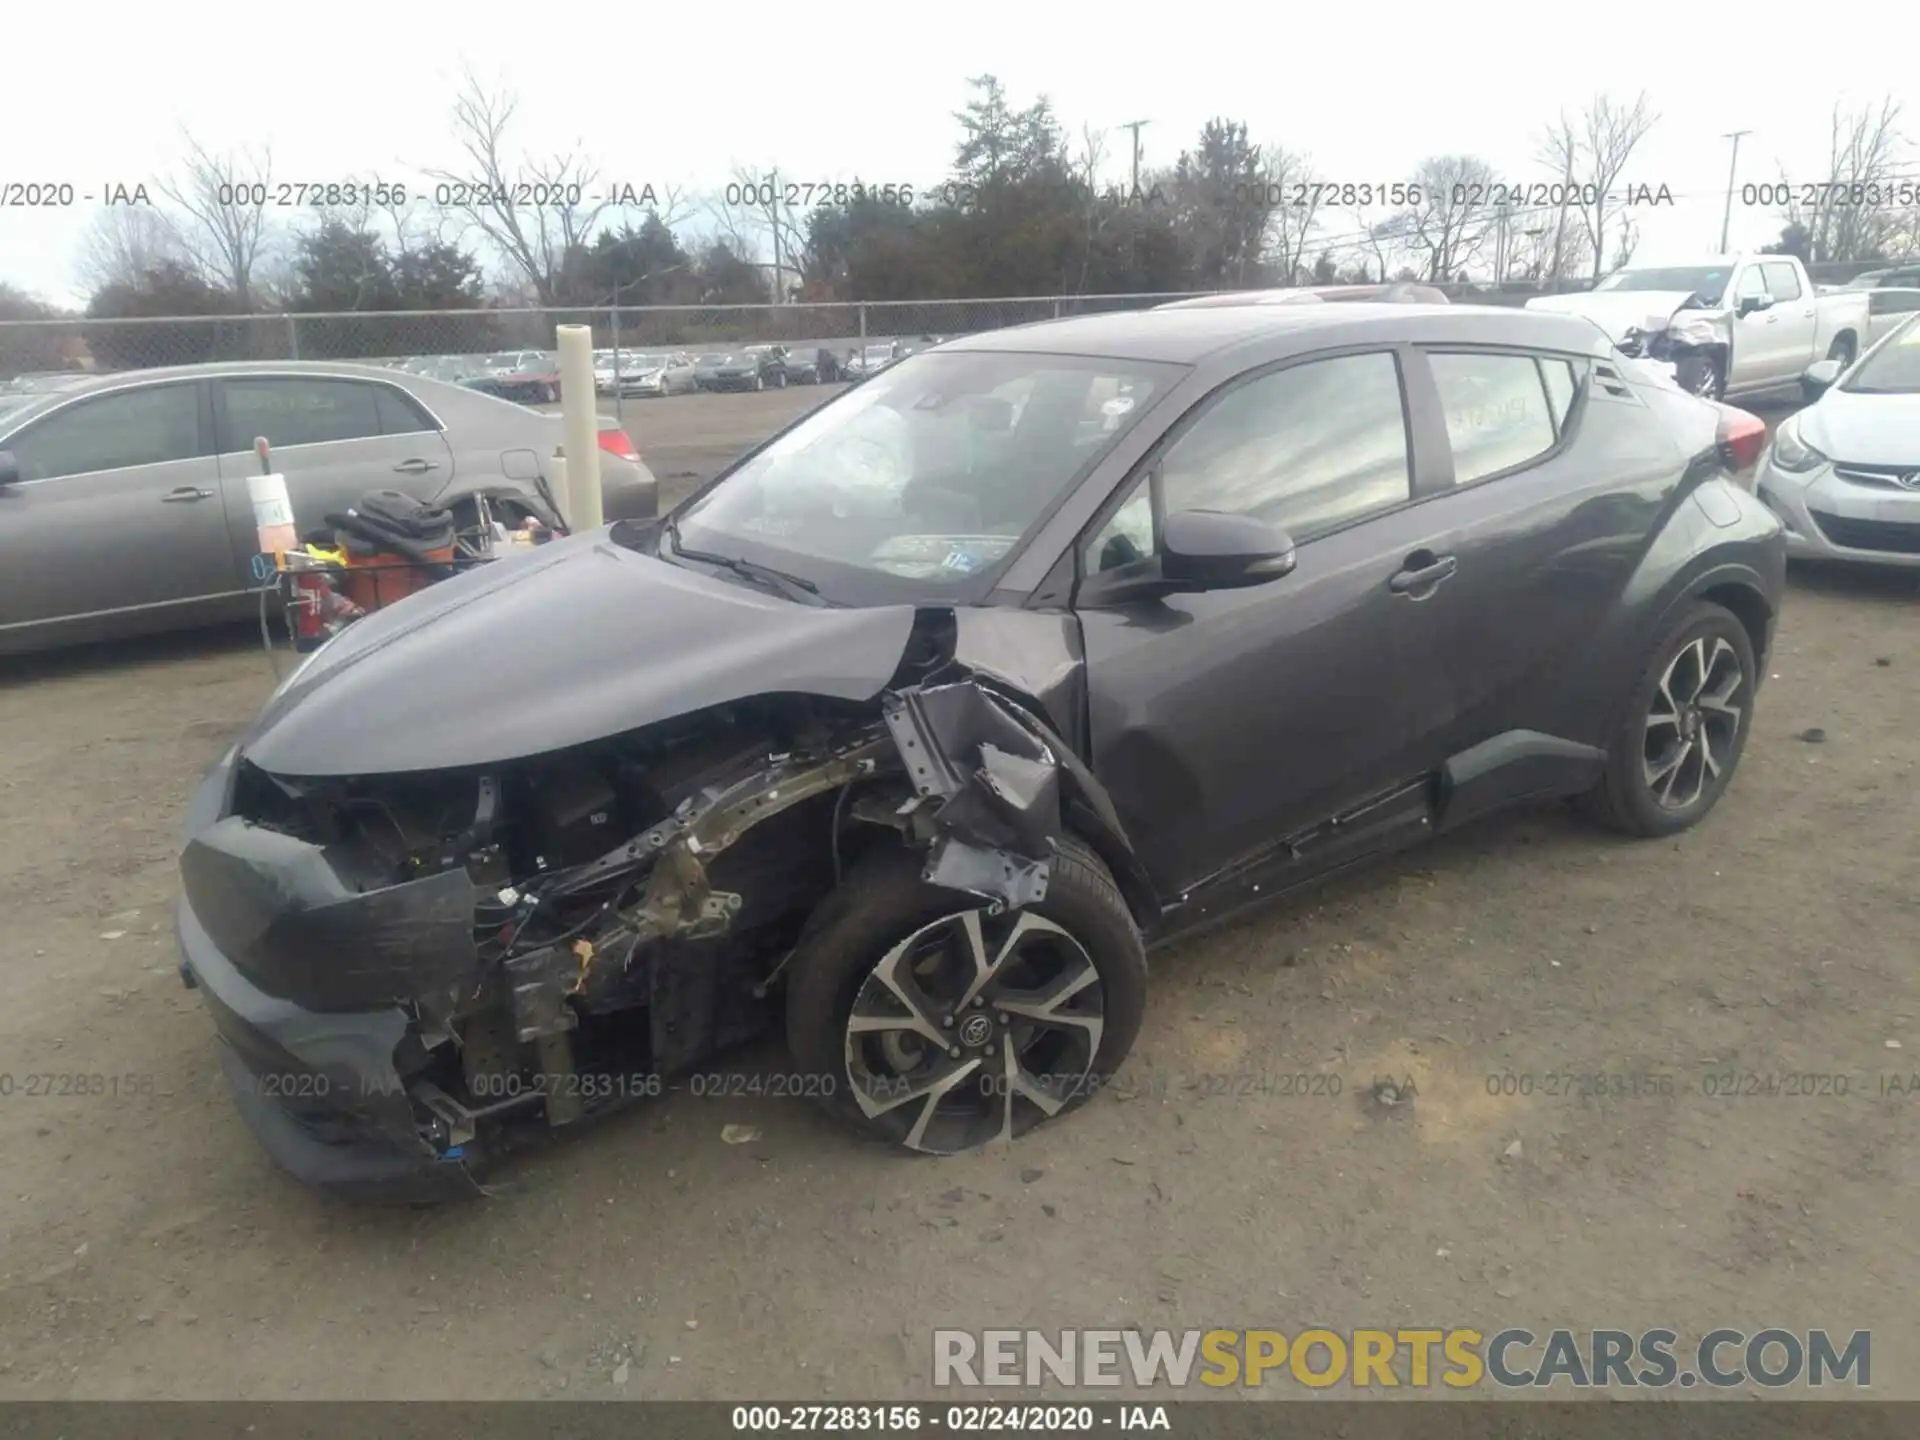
(681,93)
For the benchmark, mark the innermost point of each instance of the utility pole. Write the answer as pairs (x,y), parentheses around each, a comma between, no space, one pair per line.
(1733,166)
(778,259)
(1134,126)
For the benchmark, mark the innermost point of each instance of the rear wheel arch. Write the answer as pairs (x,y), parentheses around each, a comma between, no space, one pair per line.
(1749,607)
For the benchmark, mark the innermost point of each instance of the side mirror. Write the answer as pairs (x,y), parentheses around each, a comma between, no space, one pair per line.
(1753,304)
(1216,550)
(1817,378)
(9,469)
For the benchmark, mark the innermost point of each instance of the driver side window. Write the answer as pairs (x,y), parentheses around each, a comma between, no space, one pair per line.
(1309,449)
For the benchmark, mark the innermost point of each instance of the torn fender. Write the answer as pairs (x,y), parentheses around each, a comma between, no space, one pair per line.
(989,789)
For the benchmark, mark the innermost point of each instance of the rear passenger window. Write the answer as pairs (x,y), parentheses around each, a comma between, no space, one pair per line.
(1562,384)
(291,411)
(1497,415)
(398,414)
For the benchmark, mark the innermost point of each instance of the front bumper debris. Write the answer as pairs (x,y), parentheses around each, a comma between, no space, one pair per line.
(332,997)
(319,1089)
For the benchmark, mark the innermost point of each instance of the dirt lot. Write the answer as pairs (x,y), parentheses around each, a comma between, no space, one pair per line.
(148,1248)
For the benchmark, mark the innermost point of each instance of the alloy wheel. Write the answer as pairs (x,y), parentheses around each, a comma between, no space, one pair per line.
(972,1029)
(1693,722)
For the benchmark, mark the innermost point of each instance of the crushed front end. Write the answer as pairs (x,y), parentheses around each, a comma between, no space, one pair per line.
(408,971)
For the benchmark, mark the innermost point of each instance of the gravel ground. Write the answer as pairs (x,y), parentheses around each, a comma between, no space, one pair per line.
(149,1249)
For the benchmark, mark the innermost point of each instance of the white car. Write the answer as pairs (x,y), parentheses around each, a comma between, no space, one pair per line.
(1844,473)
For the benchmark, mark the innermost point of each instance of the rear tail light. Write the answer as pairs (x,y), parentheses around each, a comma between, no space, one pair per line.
(1741,438)
(617,442)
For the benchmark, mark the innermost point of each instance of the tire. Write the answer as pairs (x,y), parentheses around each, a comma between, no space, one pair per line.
(1703,375)
(1843,350)
(884,915)
(1628,796)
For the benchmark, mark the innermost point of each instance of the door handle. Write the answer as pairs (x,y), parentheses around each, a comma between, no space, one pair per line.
(1421,572)
(414,467)
(185,493)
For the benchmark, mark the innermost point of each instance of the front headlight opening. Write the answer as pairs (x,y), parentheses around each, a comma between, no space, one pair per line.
(1791,453)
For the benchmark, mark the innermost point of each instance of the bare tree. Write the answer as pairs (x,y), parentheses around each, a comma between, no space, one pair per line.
(1843,222)
(1095,215)
(123,243)
(1451,221)
(754,216)
(1375,243)
(536,213)
(1609,133)
(1559,152)
(1541,251)
(224,200)
(1290,227)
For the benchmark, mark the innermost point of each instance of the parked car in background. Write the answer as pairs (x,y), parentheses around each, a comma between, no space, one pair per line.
(123,499)
(802,366)
(1898,276)
(42,382)
(959,699)
(751,368)
(657,374)
(539,385)
(1732,325)
(866,361)
(1844,473)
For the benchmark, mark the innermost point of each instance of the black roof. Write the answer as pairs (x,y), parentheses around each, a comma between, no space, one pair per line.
(1188,336)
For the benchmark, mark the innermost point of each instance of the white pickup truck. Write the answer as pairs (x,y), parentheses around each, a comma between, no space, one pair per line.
(1732,325)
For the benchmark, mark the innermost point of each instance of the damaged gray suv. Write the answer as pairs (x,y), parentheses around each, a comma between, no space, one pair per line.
(912,731)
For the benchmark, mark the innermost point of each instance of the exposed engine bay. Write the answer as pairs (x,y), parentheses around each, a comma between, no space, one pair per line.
(570,931)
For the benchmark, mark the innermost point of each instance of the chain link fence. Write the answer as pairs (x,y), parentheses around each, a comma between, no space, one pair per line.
(460,344)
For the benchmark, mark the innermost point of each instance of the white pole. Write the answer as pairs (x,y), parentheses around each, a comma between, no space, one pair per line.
(579,409)
(557,478)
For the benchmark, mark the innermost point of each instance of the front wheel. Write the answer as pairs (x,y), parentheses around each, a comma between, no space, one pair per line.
(929,1021)
(1685,729)
(1703,375)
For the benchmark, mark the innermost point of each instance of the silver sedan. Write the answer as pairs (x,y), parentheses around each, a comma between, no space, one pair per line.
(1844,473)
(123,497)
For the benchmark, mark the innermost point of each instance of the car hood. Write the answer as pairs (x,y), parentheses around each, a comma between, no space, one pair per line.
(1864,429)
(1616,311)
(578,640)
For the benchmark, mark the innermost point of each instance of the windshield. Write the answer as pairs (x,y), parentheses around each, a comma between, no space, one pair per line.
(1706,282)
(1893,368)
(922,481)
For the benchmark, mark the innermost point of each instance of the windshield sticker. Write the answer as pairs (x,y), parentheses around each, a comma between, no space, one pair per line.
(932,557)
(1119,405)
